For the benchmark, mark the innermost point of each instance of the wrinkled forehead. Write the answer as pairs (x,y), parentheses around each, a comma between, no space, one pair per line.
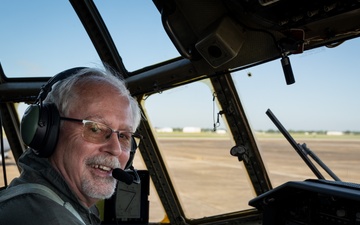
(100,97)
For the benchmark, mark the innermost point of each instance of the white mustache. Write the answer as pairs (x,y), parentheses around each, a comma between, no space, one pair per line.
(104,160)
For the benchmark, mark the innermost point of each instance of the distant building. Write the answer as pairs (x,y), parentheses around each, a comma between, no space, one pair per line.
(220,131)
(164,130)
(334,133)
(191,129)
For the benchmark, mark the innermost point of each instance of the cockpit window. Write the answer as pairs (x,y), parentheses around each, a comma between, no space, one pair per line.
(137,32)
(52,38)
(41,38)
(320,109)
(203,171)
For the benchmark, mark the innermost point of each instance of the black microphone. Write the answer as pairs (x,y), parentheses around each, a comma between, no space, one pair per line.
(122,176)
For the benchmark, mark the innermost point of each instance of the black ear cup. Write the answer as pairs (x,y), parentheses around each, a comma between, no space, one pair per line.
(41,121)
(40,127)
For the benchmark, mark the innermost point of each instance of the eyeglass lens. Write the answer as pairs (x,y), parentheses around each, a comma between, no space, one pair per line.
(100,133)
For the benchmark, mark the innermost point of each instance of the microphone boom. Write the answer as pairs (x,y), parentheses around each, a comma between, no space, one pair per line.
(122,176)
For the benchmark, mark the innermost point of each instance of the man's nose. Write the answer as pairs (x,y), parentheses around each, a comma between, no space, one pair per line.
(113,145)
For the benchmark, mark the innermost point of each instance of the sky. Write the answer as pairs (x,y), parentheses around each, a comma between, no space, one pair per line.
(42,37)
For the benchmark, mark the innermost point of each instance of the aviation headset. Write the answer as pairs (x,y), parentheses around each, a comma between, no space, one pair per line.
(40,124)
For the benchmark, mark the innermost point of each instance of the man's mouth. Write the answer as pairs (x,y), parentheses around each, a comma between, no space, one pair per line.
(102,167)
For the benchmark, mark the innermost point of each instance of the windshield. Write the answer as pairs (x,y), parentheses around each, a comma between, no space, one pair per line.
(43,37)
(320,110)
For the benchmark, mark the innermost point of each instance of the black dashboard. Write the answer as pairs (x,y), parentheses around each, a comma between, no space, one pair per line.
(311,202)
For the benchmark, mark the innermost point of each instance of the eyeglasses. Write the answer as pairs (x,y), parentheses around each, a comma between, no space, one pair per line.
(99,133)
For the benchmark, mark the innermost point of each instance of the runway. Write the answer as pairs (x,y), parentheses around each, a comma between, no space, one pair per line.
(206,176)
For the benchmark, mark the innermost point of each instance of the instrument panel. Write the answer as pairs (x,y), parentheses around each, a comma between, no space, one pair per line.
(319,202)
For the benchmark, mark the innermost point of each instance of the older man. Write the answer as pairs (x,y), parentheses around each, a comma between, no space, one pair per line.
(96,119)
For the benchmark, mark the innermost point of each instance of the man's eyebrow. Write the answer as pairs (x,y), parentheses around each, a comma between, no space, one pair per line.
(96,118)
(101,119)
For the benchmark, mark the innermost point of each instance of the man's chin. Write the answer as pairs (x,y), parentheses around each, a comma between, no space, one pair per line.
(99,188)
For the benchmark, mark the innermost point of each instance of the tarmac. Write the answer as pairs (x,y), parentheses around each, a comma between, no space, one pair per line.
(204,173)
